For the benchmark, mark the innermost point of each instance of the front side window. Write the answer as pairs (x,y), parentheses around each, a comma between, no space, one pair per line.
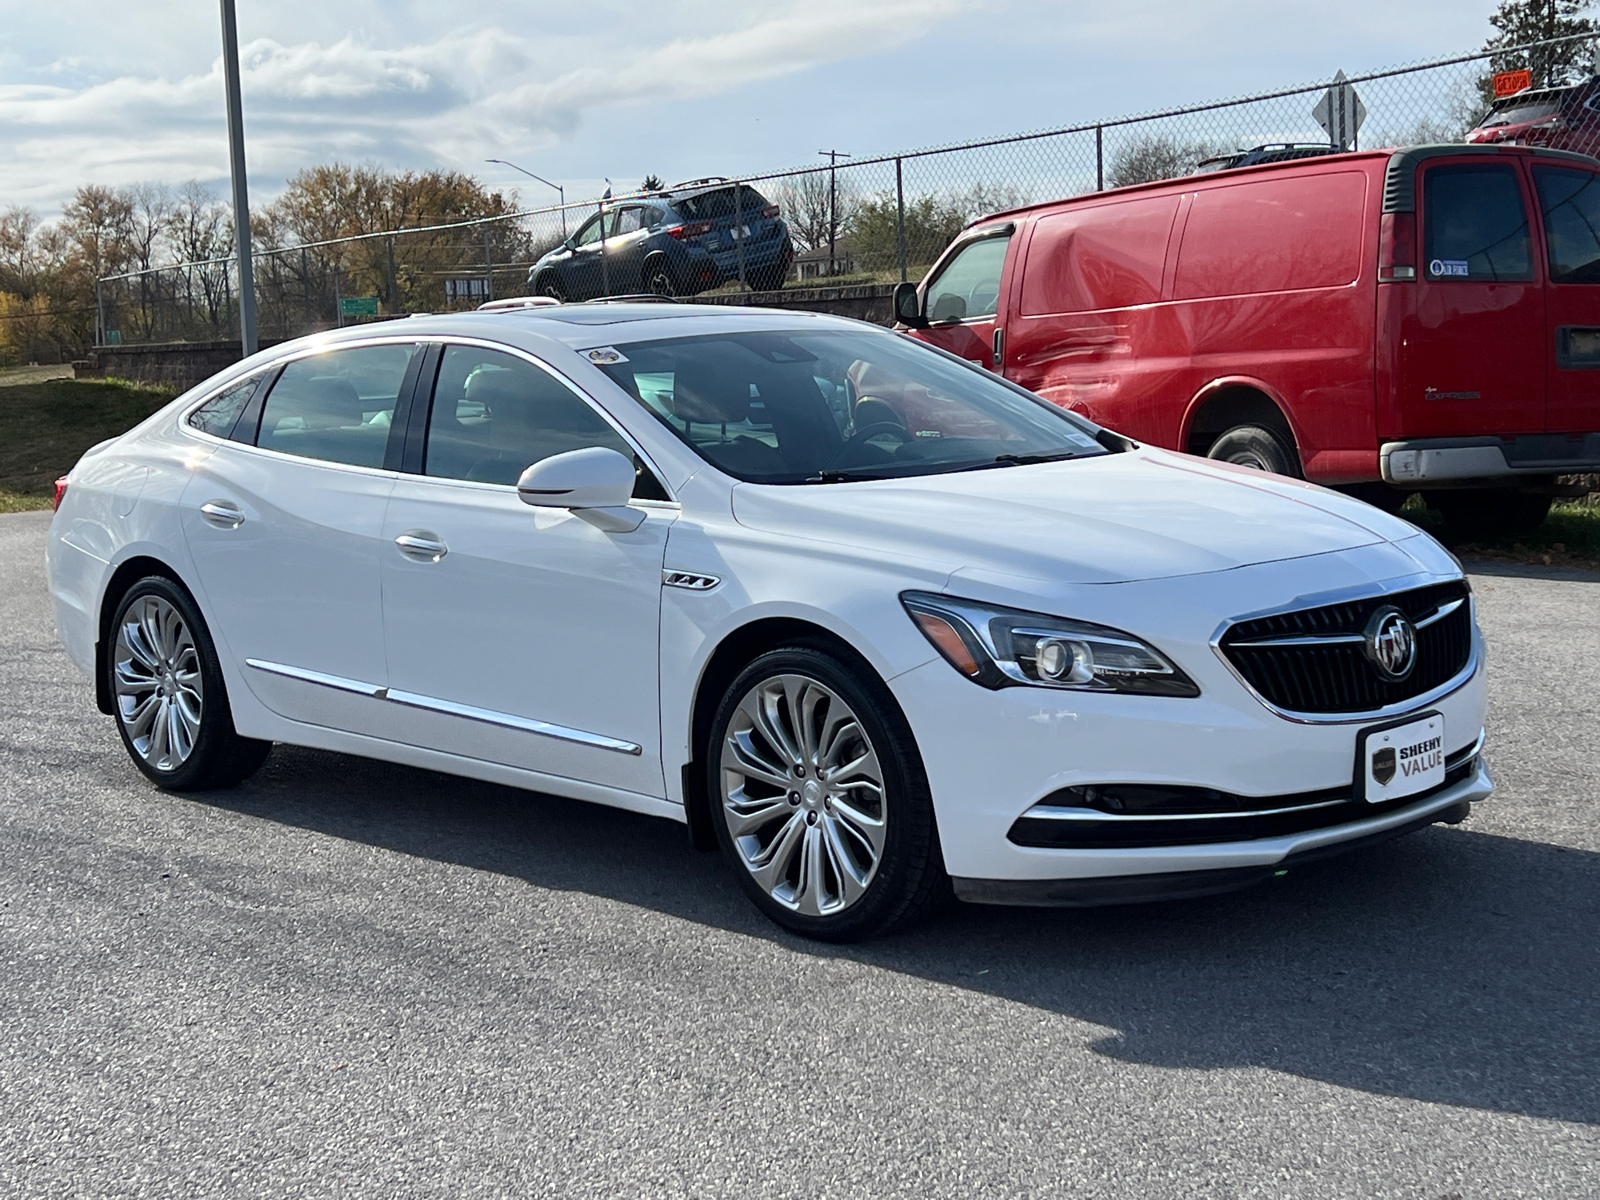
(337,406)
(494,415)
(590,233)
(1570,201)
(1475,226)
(218,415)
(835,406)
(969,285)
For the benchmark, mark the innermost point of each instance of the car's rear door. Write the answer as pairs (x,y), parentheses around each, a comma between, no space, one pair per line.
(515,635)
(1569,203)
(284,534)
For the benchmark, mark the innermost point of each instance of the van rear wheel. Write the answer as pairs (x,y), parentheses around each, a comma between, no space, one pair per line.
(1491,513)
(1257,447)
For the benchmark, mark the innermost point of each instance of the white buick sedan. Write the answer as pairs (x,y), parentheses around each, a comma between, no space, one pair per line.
(869,618)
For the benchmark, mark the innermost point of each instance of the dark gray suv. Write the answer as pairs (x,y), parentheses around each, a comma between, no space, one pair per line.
(676,242)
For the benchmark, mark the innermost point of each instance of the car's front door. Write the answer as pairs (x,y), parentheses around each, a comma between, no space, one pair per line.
(516,635)
(963,300)
(285,536)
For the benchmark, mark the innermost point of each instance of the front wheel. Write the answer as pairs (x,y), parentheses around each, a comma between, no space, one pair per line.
(171,703)
(1257,447)
(820,801)
(549,285)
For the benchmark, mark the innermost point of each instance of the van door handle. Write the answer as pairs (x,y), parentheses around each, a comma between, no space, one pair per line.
(422,545)
(224,514)
(999,347)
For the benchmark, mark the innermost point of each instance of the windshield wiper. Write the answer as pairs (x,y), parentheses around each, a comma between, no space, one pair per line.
(838,477)
(1024,460)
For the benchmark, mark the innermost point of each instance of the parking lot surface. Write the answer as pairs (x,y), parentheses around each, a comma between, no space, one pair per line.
(353,979)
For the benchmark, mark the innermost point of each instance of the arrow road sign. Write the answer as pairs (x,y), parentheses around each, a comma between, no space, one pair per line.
(1340,112)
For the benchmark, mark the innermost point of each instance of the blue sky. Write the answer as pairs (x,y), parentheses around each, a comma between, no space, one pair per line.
(117,94)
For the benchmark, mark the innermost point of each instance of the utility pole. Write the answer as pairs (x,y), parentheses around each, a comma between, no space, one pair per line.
(241,197)
(833,205)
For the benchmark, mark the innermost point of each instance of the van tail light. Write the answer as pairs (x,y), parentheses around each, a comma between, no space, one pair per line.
(770,212)
(1397,247)
(61,492)
(692,229)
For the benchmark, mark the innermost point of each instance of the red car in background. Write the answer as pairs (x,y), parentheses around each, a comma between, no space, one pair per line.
(1388,321)
(1562,118)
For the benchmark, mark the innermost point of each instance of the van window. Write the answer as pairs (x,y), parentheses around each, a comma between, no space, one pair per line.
(1474,225)
(1273,235)
(1571,204)
(969,285)
(1105,256)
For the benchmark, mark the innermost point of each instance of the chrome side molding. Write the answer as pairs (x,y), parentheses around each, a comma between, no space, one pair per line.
(449,707)
(689,580)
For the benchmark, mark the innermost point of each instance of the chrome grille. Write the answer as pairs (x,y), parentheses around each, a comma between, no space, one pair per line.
(1314,661)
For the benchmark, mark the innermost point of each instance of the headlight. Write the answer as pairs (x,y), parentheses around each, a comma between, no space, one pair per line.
(1005,647)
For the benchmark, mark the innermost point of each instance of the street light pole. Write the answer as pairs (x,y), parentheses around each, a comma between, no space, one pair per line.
(241,197)
(560,191)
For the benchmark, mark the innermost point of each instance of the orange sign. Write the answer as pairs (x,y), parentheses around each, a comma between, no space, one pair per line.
(1509,83)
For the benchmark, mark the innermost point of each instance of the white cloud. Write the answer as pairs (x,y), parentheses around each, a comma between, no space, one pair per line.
(453,100)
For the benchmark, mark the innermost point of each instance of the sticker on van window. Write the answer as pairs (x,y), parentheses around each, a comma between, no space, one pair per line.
(1443,268)
(605,356)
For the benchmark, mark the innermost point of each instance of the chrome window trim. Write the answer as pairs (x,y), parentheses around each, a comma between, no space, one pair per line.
(449,707)
(1365,591)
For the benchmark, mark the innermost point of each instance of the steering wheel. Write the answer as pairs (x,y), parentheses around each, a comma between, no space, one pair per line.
(871,431)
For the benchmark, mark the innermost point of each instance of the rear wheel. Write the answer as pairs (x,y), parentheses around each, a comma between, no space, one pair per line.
(1489,513)
(1257,447)
(659,279)
(819,799)
(171,703)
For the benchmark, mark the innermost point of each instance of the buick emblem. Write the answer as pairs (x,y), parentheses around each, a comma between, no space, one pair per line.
(1391,643)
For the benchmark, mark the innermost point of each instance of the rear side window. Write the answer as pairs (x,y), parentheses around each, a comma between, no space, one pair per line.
(1570,201)
(1474,224)
(1273,235)
(969,285)
(708,206)
(218,415)
(337,406)
(1107,256)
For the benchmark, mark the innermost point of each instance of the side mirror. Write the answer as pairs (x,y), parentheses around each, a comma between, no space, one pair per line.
(594,483)
(907,307)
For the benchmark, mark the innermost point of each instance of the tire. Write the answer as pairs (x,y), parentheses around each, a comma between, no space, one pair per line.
(168,696)
(1490,513)
(658,276)
(1257,447)
(871,835)
(549,285)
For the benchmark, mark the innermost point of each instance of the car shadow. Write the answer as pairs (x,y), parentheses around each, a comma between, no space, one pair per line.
(1512,570)
(1452,967)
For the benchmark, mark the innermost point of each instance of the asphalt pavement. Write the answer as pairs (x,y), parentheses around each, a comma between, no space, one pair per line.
(346,978)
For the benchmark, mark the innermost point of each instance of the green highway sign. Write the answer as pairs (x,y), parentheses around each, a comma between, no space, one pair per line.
(358,306)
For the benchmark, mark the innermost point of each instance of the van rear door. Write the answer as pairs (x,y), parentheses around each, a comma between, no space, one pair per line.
(1474,358)
(1569,203)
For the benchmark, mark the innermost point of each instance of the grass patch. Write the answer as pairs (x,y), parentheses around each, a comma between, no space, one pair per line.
(1569,537)
(45,427)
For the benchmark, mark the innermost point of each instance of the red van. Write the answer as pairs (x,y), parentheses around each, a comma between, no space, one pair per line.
(1385,321)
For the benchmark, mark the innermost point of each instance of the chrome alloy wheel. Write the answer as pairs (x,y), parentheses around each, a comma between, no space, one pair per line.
(803,796)
(156,676)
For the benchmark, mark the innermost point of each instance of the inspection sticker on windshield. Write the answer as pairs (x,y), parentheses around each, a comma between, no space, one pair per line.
(1443,268)
(1400,760)
(604,356)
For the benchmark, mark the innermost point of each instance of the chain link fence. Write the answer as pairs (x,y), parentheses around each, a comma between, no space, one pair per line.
(877,220)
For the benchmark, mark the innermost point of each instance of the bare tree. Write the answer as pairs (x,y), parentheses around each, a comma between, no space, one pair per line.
(1157,156)
(809,205)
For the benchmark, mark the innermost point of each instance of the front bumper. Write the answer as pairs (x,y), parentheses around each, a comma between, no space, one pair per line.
(1425,461)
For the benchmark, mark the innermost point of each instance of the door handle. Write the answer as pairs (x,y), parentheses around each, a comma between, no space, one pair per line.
(422,545)
(999,343)
(224,514)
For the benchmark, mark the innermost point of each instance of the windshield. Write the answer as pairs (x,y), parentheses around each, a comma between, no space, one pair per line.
(839,405)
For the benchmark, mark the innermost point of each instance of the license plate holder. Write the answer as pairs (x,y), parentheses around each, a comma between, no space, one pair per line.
(1400,758)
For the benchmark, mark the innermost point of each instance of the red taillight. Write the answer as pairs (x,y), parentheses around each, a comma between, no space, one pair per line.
(770,212)
(61,491)
(1397,247)
(693,229)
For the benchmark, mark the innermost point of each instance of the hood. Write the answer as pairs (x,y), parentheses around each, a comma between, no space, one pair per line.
(1145,514)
